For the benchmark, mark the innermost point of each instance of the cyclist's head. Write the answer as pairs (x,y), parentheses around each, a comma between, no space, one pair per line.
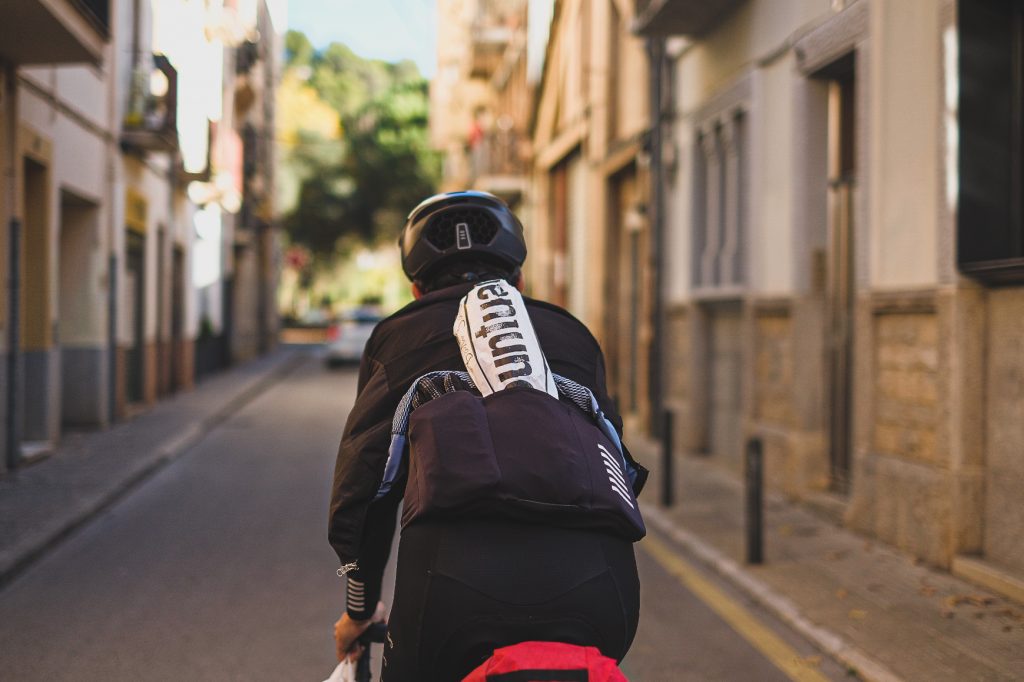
(461,237)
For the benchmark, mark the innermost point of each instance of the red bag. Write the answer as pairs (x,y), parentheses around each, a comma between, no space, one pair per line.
(547,662)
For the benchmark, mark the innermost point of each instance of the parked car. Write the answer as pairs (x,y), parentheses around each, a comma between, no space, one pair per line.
(347,337)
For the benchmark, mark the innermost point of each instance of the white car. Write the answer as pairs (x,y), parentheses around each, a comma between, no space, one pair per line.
(347,337)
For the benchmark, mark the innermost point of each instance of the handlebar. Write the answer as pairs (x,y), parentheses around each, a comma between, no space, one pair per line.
(375,634)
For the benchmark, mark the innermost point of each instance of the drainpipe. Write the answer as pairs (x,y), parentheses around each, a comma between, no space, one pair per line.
(656,55)
(112,335)
(114,120)
(13,421)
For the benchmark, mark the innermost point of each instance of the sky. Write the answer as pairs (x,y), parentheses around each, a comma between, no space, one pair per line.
(380,29)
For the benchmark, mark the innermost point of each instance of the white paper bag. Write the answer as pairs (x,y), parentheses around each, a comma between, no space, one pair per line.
(498,343)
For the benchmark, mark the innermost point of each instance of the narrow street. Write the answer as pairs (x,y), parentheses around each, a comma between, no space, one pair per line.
(218,568)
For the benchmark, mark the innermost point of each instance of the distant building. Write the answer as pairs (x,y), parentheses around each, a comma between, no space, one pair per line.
(589,234)
(481,100)
(545,103)
(840,187)
(107,109)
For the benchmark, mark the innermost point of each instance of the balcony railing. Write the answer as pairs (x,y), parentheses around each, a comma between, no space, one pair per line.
(498,164)
(53,31)
(680,17)
(494,28)
(150,122)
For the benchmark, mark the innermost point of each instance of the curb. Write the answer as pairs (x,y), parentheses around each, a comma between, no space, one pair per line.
(38,544)
(782,608)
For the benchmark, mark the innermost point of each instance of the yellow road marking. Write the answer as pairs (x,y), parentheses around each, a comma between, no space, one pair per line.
(783,656)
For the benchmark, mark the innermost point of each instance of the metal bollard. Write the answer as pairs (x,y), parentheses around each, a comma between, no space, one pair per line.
(667,473)
(755,501)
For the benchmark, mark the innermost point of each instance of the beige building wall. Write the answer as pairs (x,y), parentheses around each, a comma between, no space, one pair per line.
(933,401)
(456,93)
(904,120)
(590,242)
(774,141)
(87,178)
(64,123)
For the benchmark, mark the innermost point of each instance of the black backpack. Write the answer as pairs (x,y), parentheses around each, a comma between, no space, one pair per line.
(517,454)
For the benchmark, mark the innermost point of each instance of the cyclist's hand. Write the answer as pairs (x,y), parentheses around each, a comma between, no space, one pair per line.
(347,631)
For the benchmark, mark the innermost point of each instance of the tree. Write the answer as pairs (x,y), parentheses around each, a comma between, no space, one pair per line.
(363,182)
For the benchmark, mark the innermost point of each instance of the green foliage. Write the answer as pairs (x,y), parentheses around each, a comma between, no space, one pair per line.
(363,186)
(298,49)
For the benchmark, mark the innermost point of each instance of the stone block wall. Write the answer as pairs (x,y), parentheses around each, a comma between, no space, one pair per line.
(902,482)
(686,380)
(1004,432)
(906,386)
(787,382)
(773,369)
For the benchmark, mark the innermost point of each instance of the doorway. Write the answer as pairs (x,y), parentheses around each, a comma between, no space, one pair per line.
(134,311)
(82,352)
(842,184)
(35,380)
(177,319)
(628,320)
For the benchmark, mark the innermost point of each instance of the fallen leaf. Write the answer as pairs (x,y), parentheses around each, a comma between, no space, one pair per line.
(858,614)
(926,591)
(841,593)
(980,599)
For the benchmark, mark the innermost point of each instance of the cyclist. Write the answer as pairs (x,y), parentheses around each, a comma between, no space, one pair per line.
(467,586)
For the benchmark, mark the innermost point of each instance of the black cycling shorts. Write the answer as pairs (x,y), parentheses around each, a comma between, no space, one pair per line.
(465,588)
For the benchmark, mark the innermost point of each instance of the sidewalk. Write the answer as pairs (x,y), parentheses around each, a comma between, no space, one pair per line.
(875,610)
(42,503)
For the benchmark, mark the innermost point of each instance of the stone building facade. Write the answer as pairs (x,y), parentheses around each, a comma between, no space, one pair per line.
(843,202)
(482,98)
(106,120)
(544,103)
(589,234)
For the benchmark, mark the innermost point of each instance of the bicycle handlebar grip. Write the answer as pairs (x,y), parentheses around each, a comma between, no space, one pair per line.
(375,634)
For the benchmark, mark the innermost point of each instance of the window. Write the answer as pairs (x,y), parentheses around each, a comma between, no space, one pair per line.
(720,204)
(96,11)
(990,222)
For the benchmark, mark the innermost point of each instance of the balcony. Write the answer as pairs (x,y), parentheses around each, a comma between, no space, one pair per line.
(662,18)
(150,123)
(53,31)
(494,27)
(498,165)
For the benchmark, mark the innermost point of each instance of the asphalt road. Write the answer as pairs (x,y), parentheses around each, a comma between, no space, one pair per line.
(218,568)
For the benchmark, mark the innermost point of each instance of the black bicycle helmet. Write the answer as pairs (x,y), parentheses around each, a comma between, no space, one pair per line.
(457,225)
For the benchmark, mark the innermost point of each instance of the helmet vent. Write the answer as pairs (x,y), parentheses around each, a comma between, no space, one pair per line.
(441,231)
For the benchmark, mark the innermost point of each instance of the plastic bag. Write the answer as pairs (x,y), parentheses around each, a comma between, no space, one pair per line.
(345,672)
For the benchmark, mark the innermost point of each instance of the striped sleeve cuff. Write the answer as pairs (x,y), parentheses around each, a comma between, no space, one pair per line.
(356,604)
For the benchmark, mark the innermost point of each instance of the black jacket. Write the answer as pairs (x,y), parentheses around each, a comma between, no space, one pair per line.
(416,340)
